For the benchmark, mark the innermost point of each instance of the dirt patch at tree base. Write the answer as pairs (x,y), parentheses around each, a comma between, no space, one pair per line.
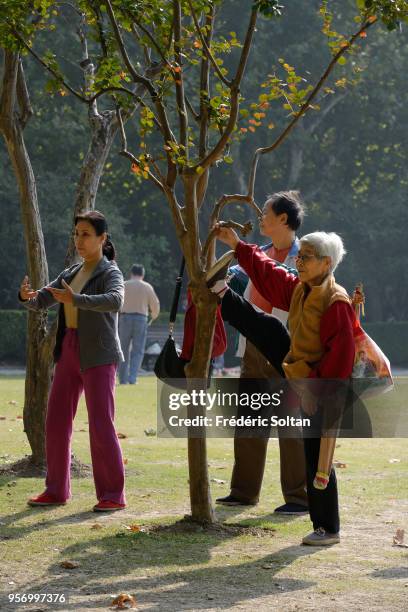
(189,525)
(26,468)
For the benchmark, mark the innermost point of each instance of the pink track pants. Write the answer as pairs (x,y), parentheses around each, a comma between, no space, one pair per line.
(67,386)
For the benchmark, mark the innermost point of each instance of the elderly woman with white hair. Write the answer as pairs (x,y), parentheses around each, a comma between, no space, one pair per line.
(321,341)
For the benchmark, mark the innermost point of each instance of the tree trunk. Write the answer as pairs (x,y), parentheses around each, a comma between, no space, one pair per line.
(197,369)
(14,110)
(197,373)
(103,126)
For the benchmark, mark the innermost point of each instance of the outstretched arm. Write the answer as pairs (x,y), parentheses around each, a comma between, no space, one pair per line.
(40,299)
(272,281)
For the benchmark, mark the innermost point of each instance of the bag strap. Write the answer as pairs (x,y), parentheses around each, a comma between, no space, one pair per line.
(176,297)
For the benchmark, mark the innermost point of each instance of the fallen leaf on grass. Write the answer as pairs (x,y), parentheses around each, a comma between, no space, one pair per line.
(125,461)
(2,418)
(398,539)
(124,601)
(12,403)
(150,431)
(218,481)
(96,526)
(19,417)
(121,436)
(339,464)
(135,528)
(394,460)
(69,564)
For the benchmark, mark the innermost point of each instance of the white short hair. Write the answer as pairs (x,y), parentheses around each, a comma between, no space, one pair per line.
(326,245)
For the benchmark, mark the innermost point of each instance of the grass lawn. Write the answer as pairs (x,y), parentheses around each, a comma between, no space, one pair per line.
(171,568)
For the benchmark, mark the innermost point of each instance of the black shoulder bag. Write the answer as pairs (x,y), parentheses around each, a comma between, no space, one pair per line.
(169,365)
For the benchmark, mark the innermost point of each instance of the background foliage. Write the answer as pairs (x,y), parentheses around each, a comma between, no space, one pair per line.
(349,161)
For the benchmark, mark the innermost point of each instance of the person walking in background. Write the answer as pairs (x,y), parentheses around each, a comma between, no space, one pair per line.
(140,299)
(87,351)
(281,217)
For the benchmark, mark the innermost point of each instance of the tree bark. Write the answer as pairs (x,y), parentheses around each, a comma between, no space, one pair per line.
(197,373)
(103,126)
(14,108)
(197,369)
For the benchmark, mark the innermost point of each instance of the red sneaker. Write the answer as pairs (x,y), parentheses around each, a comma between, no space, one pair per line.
(45,500)
(108,506)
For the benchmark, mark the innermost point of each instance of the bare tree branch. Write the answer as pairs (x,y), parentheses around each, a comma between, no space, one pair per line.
(165,127)
(87,65)
(190,107)
(205,87)
(9,86)
(206,47)
(218,149)
(125,153)
(152,40)
(174,206)
(55,74)
(179,80)
(99,23)
(24,102)
(244,229)
(146,49)
(215,215)
(306,106)
(138,78)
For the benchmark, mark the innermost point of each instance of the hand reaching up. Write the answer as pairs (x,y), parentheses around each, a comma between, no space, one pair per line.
(227,235)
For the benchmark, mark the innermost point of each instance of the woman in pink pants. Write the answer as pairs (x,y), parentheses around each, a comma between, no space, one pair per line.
(87,351)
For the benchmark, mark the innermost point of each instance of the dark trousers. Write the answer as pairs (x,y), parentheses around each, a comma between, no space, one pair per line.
(267,333)
(323,504)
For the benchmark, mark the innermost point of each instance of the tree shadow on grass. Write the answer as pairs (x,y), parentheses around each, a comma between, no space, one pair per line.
(128,562)
(11,530)
(391,573)
(223,513)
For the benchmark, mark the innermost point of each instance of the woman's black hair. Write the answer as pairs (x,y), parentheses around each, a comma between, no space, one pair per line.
(98,222)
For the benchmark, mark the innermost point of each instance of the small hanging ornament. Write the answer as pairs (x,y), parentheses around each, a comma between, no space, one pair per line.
(358,300)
